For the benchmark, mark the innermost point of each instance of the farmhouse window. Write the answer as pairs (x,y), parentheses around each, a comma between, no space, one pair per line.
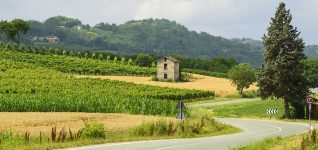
(165,66)
(165,76)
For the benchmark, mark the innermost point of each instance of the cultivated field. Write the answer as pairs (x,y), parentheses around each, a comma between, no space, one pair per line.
(221,86)
(34,122)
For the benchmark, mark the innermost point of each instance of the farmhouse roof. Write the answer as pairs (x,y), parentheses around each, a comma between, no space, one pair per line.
(169,57)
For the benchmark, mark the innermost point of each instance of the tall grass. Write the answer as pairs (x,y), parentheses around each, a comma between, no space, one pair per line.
(253,109)
(194,124)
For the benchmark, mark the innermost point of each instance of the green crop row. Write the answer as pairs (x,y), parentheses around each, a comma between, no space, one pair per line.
(76,65)
(26,87)
(104,103)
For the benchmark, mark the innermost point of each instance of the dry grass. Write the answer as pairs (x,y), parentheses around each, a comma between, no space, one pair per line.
(293,143)
(34,122)
(221,86)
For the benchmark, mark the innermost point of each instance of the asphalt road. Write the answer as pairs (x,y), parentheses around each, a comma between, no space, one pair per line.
(223,102)
(252,130)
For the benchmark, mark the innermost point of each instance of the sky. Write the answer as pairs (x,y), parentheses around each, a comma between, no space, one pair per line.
(227,18)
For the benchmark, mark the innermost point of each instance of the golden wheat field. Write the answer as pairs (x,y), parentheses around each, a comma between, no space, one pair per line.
(221,86)
(34,122)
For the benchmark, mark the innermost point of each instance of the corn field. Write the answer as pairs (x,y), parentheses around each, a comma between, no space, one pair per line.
(27,87)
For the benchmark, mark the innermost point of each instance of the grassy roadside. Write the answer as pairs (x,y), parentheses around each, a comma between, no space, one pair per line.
(296,142)
(198,124)
(253,109)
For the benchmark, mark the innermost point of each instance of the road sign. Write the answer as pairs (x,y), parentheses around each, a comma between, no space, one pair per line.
(181,116)
(180,105)
(272,111)
(309,100)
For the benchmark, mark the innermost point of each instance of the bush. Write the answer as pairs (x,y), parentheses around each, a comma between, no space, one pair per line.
(185,77)
(154,78)
(94,130)
(250,94)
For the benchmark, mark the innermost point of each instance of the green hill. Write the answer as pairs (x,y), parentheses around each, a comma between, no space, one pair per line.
(153,36)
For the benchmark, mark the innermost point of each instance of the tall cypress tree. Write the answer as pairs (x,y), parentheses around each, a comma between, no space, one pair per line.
(282,75)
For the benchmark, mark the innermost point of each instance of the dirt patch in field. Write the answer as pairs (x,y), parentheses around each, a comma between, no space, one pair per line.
(221,86)
(34,122)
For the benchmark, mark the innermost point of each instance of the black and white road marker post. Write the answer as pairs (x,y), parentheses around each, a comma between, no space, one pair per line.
(309,101)
(181,115)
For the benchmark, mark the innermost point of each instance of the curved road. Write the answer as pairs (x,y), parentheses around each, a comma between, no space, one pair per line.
(252,130)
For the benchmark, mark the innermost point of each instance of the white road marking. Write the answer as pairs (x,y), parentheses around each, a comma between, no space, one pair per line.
(246,130)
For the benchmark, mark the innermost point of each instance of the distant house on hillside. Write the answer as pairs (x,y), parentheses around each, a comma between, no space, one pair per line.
(78,27)
(50,39)
(168,69)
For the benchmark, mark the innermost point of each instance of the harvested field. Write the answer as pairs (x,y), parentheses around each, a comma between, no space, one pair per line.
(34,122)
(221,86)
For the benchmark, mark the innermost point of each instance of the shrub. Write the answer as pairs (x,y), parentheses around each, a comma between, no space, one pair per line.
(185,77)
(56,51)
(130,61)
(100,56)
(71,53)
(64,52)
(94,130)
(79,54)
(123,60)
(93,56)
(115,59)
(154,78)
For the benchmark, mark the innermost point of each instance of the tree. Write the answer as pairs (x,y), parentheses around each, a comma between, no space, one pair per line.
(8,29)
(14,29)
(282,75)
(21,27)
(144,60)
(312,72)
(242,76)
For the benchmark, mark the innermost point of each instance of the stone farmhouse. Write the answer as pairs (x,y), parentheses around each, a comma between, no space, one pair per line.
(168,69)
